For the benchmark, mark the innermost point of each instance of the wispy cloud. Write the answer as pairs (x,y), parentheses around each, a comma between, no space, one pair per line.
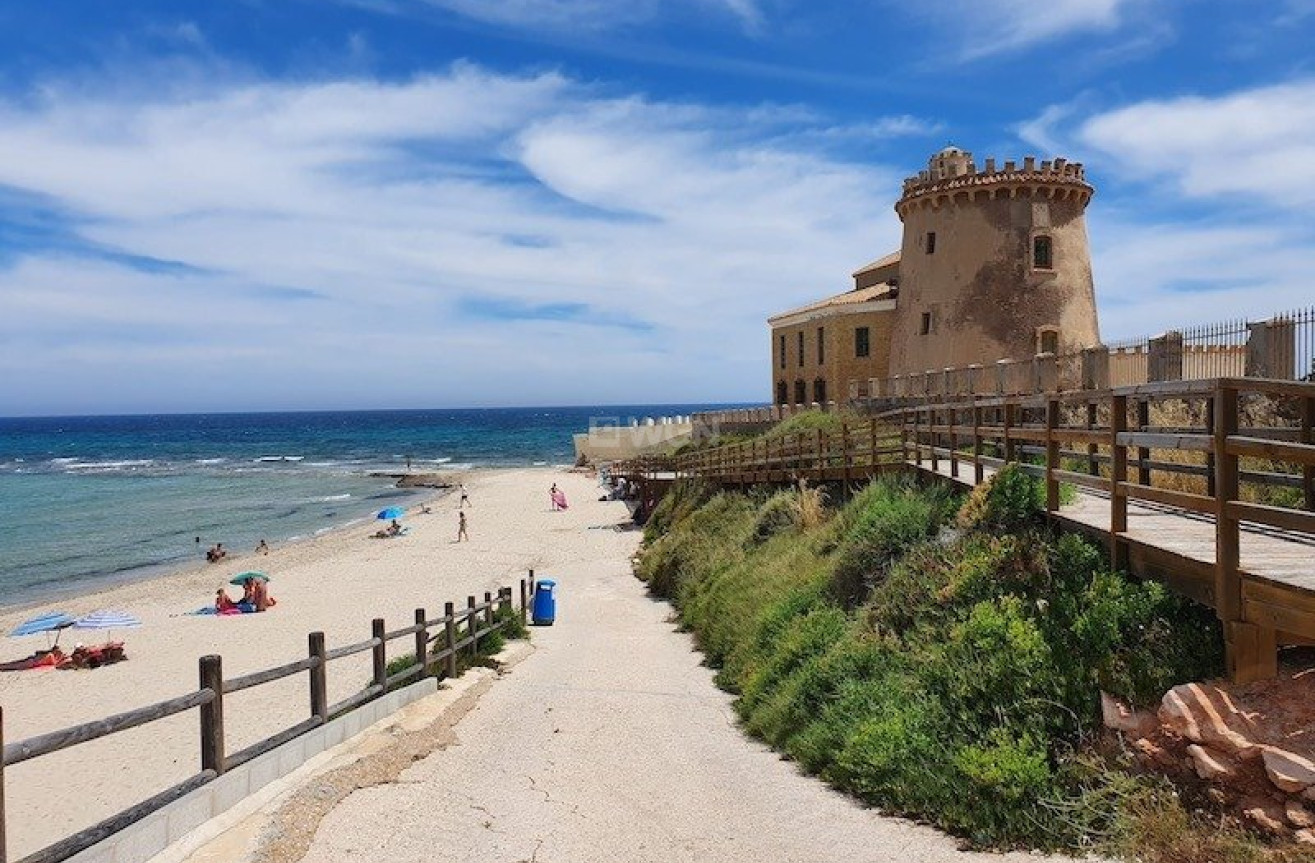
(592,16)
(990,27)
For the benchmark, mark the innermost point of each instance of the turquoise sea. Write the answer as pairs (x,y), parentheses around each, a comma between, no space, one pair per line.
(97,499)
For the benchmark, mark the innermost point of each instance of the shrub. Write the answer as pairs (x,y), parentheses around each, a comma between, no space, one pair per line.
(1010,499)
(778,513)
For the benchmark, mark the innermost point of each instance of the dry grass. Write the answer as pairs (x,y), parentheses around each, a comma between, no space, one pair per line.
(812,506)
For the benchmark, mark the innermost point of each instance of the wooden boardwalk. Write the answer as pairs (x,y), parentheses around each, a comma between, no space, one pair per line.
(1241,541)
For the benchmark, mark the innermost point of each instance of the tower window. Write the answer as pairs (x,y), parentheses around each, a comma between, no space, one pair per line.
(800,392)
(925,327)
(1047,341)
(819,391)
(821,347)
(862,342)
(801,349)
(781,345)
(782,393)
(1042,253)
(931,242)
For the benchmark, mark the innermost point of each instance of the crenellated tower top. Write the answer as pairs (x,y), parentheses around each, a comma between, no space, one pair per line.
(952,176)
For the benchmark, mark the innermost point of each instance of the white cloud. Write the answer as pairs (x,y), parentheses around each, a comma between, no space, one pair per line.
(591,15)
(989,27)
(326,231)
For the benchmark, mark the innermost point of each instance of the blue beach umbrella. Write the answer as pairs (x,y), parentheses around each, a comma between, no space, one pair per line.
(391,512)
(48,622)
(106,620)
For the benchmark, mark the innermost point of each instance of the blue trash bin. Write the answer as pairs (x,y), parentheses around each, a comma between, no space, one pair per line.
(545,602)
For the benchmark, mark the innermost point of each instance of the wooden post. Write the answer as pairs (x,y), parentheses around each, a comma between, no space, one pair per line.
(1010,414)
(488,609)
(1052,455)
(472,624)
(1143,452)
(531,585)
(917,436)
(1308,437)
(524,602)
(821,461)
(978,467)
(1211,486)
(1118,475)
(1093,465)
(933,438)
(954,444)
(450,635)
(379,654)
(212,714)
(422,643)
(319,681)
(844,448)
(1228,587)
(872,458)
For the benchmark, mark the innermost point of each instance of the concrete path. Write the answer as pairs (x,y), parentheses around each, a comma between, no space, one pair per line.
(610,743)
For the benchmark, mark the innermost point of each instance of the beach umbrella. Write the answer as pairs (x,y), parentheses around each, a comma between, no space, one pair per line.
(48,622)
(391,512)
(105,619)
(241,577)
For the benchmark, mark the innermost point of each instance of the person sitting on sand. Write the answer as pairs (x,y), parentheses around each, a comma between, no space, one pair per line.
(223,603)
(263,548)
(395,529)
(260,595)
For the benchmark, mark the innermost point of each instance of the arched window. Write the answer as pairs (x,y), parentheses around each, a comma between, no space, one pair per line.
(800,393)
(1042,253)
(819,391)
(782,393)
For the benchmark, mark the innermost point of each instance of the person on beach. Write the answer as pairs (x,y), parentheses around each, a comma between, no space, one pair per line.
(395,529)
(465,497)
(461,527)
(217,553)
(260,597)
(223,603)
(552,497)
(263,548)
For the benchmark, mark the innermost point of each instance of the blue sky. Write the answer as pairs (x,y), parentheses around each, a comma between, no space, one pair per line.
(287,204)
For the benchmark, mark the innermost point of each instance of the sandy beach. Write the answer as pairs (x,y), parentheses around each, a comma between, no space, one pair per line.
(336,583)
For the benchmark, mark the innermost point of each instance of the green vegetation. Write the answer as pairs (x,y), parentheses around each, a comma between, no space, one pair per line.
(938,658)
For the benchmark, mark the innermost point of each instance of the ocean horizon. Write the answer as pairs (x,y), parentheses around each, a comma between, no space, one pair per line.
(89,501)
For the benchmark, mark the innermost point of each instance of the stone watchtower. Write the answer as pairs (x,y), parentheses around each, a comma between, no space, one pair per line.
(994,263)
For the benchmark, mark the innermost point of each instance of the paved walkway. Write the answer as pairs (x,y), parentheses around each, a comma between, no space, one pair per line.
(610,743)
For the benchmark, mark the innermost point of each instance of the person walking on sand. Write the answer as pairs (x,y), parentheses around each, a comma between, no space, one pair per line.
(552,497)
(461,527)
(465,498)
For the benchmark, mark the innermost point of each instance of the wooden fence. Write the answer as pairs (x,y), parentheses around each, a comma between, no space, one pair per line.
(1250,459)
(457,630)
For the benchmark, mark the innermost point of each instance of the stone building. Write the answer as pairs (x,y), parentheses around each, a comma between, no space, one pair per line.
(994,264)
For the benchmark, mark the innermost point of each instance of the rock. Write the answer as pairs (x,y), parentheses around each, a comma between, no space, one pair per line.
(1264,813)
(1204,714)
(1298,815)
(1121,717)
(1287,770)
(1309,794)
(1211,765)
(1305,837)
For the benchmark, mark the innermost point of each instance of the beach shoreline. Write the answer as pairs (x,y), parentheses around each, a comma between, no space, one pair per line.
(335,583)
(38,596)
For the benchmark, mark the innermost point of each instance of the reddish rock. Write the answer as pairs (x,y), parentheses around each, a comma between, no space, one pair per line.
(1264,813)
(1121,717)
(1305,837)
(1287,770)
(1207,714)
(1211,765)
(1298,815)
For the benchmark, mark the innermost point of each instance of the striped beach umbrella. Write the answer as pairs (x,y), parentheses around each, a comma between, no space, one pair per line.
(47,622)
(105,619)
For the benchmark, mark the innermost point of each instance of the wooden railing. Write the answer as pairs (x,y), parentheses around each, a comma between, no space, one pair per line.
(456,629)
(1231,450)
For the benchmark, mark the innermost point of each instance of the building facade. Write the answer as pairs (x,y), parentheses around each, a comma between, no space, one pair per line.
(994,264)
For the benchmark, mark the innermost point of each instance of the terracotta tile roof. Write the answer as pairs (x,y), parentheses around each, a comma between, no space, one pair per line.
(882,291)
(884,261)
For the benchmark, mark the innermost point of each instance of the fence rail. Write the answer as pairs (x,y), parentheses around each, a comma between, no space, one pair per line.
(457,630)
(1231,450)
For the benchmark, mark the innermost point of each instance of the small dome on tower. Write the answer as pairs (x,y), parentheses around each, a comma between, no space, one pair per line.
(950,162)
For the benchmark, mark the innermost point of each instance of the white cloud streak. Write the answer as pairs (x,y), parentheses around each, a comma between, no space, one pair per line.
(990,27)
